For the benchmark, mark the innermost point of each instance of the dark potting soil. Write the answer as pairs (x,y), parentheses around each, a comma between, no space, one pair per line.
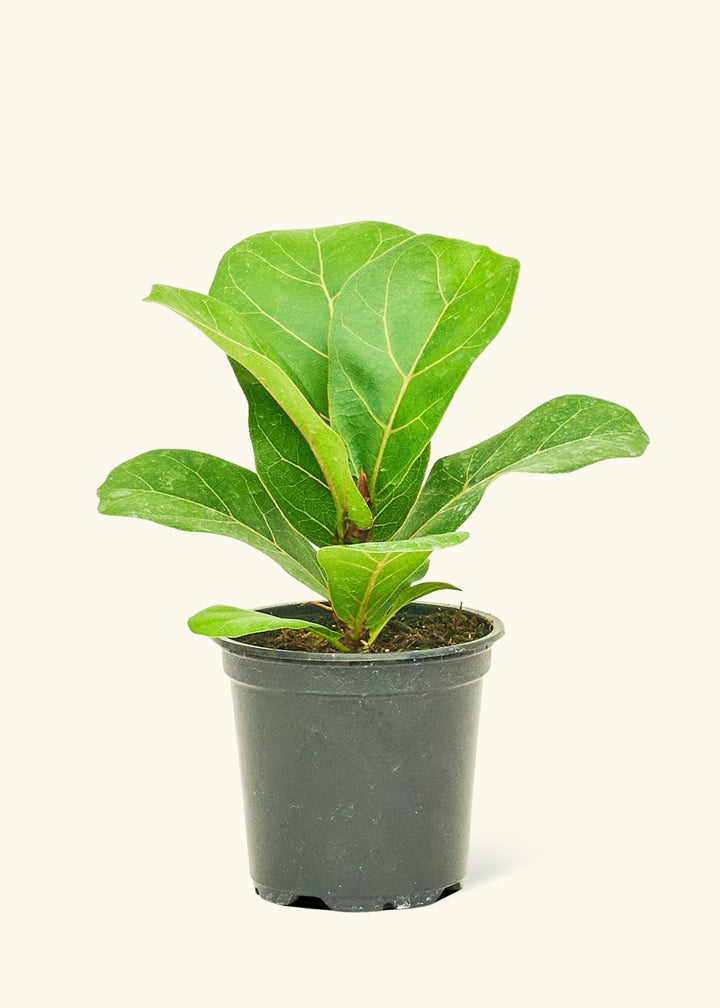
(434,629)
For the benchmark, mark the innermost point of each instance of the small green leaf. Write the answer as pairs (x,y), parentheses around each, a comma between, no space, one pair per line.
(407,595)
(365,577)
(201,493)
(226,621)
(563,434)
(230,331)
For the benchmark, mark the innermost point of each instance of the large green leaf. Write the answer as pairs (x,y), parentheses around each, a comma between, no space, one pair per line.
(226,621)
(364,578)
(285,283)
(201,493)
(230,332)
(561,435)
(405,330)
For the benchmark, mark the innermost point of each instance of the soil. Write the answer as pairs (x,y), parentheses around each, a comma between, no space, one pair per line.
(434,629)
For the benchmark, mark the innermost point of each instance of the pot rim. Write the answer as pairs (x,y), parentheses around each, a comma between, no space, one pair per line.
(476,646)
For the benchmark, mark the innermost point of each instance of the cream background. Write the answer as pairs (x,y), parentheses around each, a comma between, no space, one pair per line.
(142,141)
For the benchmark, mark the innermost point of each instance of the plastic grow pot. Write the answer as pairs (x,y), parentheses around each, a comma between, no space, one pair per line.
(357,770)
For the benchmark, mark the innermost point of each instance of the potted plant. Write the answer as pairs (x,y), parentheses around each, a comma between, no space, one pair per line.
(356,712)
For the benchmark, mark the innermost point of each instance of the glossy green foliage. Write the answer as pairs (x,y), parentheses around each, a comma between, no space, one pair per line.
(230,332)
(226,621)
(200,493)
(563,434)
(365,580)
(405,331)
(348,343)
(286,284)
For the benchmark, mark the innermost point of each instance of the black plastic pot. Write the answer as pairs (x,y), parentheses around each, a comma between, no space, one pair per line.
(357,769)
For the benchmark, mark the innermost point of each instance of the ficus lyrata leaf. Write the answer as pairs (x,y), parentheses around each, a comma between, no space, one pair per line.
(404,597)
(286,464)
(561,435)
(226,621)
(405,330)
(201,493)
(285,284)
(365,578)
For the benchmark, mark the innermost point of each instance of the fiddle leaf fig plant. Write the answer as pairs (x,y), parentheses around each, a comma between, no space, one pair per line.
(348,343)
